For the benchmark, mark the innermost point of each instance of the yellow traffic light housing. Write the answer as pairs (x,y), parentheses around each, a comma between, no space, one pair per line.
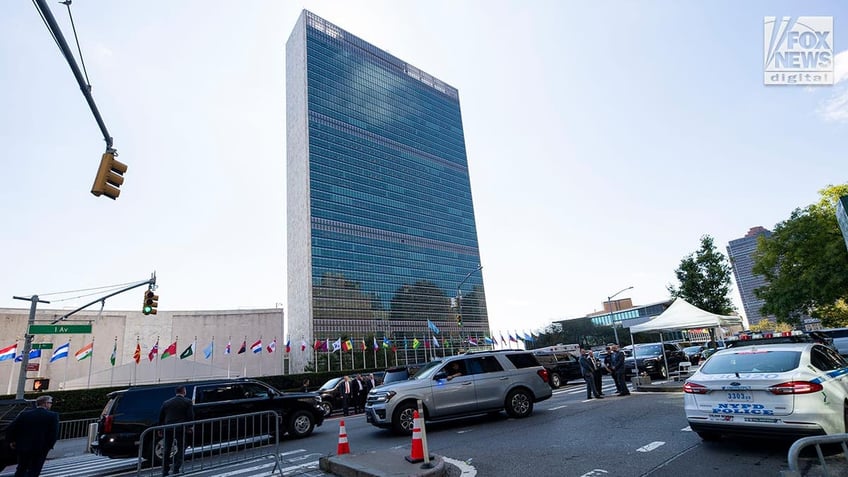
(110,176)
(459,320)
(150,303)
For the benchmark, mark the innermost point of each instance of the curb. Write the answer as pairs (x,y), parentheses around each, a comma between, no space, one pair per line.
(391,463)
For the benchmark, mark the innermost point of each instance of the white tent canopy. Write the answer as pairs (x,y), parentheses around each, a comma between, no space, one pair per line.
(682,315)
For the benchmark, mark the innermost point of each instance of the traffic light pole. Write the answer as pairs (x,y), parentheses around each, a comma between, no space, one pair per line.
(34,301)
(152,281)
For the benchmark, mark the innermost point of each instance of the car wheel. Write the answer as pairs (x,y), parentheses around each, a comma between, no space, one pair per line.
(328,408)
(663,372)
(519,403)
(709,436)
(154,456)
(555,381)
(301,424)
(403,419)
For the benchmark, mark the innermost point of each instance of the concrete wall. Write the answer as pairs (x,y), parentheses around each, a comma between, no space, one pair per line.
(125,329)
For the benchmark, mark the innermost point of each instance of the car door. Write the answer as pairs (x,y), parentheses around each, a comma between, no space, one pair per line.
(453,396)
(490,382)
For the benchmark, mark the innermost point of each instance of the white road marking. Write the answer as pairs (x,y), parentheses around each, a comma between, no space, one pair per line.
(464,431)
(558,407)
(687,429)
(594,472)
(651,446)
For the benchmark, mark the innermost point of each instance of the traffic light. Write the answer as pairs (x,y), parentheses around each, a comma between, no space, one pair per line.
(40,384)
(110,176)
(150,303)
(459,320)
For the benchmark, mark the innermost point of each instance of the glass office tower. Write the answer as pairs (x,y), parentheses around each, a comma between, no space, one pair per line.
(741,253)
(381,232)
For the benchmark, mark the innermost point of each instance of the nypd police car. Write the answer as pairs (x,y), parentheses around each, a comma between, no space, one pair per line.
(774,390)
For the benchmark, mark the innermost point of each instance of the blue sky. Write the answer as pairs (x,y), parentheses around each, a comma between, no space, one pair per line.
(603,142)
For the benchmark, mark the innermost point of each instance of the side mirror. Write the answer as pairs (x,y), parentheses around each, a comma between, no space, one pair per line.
(440,375)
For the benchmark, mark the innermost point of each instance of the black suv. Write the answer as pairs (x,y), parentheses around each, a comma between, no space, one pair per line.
(9,410)
(562,367)
(650,359)
(130,411)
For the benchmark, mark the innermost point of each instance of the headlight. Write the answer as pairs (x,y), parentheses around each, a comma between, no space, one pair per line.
(383,396)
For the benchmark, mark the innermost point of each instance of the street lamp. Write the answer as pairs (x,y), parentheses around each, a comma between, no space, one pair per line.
(459,298)
(609,305)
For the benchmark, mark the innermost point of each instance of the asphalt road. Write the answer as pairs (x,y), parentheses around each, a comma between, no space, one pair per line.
(644,434)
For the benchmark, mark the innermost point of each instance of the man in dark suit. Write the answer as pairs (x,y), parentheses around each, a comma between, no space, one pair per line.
(31,435)
(587,367)
(347,395)
(598,374)
(176,410)
(618,371)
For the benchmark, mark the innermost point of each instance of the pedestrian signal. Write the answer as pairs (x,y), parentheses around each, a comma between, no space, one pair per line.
(40,384)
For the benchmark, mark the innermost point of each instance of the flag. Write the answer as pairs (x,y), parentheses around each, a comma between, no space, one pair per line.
(273,346)
(84,352)
(435,342)
(302,345)
(363,346)
(257,346)
(114,353)
(326,345)
(60,352)
(512,338)
(415,343)
(446,342)
(472,341)
(153,351)
(503,341)
(488,340)
(346,346)
(243,348)
(207,351)
(9,352)
(386,342)
(528,337)
(33,353)
(426,343)
(136,354)
(170,350)
(337,345)
(228,349)
(376,346)
(433,327)
(317,345)
(188,351)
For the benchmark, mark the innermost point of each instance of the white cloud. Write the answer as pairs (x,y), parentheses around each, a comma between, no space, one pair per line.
(835,108)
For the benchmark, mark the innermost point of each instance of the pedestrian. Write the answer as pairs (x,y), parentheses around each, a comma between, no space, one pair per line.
(598,374)
(305,385)
(367,385)
(608,366)
(31,435)
(358,394)
(618,371)
(347,395)
(179,409)
(372,382)
(587,368)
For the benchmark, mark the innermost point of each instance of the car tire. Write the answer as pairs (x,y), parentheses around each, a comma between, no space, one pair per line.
(402,419)
(663,372)
(301,423)
(709,436)
(519,403)
(154,457)
(328,408)
(556,382)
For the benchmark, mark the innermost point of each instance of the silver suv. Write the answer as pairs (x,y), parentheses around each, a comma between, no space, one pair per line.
(467,384)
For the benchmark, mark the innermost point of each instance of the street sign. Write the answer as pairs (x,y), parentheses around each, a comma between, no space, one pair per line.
(42,345)
(59,329)
(32,366)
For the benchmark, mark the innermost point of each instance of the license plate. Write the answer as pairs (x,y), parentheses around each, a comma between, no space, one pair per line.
(720,417)
(735,396)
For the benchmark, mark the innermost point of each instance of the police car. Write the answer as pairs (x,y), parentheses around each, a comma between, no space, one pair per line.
(774,390)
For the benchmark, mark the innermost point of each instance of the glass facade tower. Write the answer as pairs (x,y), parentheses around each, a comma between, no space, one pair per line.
(381,235)
(741,253)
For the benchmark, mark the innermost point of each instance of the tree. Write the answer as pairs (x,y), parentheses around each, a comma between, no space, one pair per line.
(704,278)
(805,264)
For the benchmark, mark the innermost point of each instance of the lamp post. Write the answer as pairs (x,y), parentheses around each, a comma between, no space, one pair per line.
(459,299)
(609,305)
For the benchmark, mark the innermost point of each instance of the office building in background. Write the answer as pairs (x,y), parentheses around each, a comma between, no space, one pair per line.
(741,252)
(381,235)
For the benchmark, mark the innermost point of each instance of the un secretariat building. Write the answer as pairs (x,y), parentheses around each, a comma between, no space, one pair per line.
(380,222)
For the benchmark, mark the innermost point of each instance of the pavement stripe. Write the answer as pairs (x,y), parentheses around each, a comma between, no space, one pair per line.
(651,446)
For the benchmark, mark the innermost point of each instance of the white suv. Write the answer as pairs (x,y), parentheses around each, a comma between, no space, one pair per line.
(467,384)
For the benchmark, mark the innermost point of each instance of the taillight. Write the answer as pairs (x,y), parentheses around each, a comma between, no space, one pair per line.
(795,387)
(694,388)
(107,424)
(543,373)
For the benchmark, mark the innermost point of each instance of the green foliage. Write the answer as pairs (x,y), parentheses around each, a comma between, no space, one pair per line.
(805,264)
(704,278)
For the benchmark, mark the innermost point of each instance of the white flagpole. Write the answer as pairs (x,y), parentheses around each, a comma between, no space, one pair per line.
(112,374)
(260,355)
(176,356)
(67,358)
(194,355)
(90,361)
(12,371)
(212,358)
(229,356)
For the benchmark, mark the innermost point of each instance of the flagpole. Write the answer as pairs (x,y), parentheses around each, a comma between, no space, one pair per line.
(194,364)
(12,371)
(260,355)
(244,358)
(212,358)
(229,356)
(135,368)
(112,374)
(68,358)
(90,361)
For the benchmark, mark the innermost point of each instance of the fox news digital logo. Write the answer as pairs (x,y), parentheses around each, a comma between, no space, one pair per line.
(798,50)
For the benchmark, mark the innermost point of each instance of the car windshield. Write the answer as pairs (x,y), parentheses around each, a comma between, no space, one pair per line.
(329,384)
(427,370)
(752,361)
(643,351)
(692,349)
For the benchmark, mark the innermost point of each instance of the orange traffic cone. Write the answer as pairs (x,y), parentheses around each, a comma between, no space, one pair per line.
(344,447)
(417,453)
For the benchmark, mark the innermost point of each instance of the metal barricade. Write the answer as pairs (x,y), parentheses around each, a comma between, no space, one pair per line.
(211,443)
(75,429)
(817,441)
